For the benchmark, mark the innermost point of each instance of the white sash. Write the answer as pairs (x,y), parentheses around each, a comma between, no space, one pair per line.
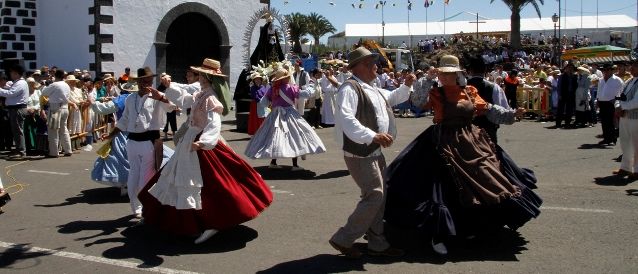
(286,98)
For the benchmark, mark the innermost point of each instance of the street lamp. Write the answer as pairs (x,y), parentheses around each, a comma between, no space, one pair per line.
(382,3)
(556,40)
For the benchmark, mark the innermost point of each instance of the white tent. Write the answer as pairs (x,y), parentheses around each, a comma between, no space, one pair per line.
(491,25)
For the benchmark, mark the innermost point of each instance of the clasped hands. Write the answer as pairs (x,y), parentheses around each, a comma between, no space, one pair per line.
(383,139)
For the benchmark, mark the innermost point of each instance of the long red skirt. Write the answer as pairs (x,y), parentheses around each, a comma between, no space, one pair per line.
(233,193)
(254,122)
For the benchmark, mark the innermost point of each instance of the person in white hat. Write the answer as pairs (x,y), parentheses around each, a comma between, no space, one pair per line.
(364,123)
(58,93)
(257,113)
(143,117)
(284,133)
(582,108)
(35,116)
(205,187)
(452,180)
(75,96)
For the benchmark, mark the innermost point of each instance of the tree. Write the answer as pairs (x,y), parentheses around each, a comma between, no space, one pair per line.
(298,28)
(516,6)
(318,26)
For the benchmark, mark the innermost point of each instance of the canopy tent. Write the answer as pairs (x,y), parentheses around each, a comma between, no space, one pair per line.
(598,54)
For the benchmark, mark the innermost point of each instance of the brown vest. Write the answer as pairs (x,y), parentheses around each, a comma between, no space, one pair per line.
(367,117)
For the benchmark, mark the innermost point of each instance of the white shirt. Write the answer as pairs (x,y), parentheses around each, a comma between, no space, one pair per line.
(633,104)
(190,88)
(346,109)
(610,89)
(34,100)
(143,114)
(16,93)
(58,92)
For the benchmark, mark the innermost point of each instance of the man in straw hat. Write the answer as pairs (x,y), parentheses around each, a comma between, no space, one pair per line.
(58,93)
(143,117)
(627,109)
(364,124)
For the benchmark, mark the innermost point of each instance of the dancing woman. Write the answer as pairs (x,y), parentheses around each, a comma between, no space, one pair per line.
(284,133)
(466,184)
(205,187)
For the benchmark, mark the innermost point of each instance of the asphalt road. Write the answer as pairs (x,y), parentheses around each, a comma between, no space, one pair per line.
(62,222)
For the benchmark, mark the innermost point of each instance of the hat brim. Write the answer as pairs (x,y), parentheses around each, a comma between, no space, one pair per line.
(352,63)
(449,69)
(208,71)
(135,78)
(282,77)
(74,80)
(135,88)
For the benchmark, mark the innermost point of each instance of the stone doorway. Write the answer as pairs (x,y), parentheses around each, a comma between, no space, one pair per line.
(187,34)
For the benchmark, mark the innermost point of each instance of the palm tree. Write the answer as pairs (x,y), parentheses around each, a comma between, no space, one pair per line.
(516,6)
(298,28)
(319,26)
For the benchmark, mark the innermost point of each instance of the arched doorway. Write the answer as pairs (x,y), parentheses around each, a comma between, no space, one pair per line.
(190,38)
(187,34)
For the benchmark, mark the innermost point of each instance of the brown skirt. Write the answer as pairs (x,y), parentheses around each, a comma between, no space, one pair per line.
(471,156)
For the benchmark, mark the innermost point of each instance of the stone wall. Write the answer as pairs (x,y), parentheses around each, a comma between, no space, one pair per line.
(17,31)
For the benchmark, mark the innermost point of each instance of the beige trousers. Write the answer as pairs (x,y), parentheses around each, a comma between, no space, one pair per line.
(628,133)
(367,217)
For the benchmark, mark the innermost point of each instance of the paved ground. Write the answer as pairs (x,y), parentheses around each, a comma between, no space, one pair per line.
(61,222)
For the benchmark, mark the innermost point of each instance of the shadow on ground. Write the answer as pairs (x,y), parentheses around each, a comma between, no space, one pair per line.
(93,196)
(284,173)
(594,146)
(21,252)
(632,192)
(148,245)
(613,180)
(501,245)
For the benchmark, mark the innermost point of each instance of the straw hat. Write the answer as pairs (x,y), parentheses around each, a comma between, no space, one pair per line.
(210,66)
(256,75)
(358,55)
(35,83)
(108,77)
(142,73)
(279,74)
(449,63)
(130,87)
(71,78)
(583,69)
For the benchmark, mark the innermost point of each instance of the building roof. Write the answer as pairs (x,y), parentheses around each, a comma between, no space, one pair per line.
(490,25)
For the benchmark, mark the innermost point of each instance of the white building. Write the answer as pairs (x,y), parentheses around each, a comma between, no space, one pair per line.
(109,35)
(396,33)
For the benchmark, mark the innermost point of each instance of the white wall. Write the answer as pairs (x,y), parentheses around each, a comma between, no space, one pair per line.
(136,21)
(62,34)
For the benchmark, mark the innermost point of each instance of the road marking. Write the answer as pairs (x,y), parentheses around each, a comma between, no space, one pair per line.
(280,191)
(577,209)
(48,172)
(78,256)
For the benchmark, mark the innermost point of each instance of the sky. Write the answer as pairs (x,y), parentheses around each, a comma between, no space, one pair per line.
(395,11)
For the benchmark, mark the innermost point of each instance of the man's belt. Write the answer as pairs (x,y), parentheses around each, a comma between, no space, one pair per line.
(19,106)
(144,136)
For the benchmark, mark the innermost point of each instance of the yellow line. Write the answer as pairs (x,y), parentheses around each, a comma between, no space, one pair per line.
(13,179)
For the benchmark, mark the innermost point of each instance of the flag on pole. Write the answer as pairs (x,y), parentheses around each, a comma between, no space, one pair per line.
(409,5)
(446,1)
(428,3)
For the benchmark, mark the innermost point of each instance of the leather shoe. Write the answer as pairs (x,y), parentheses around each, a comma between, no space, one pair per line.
(349,252)
(388,252)
(622,172)
(633,176)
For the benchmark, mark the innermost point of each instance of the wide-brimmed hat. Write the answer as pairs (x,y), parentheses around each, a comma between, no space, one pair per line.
(583,69)
(358,55)
(556,71)
(37,72)
(71,78)
(210,66)
(256,75)
(449,63)
(108,77)
(130,87)
(607,66)
(32,80)
(280,74)
(142,73)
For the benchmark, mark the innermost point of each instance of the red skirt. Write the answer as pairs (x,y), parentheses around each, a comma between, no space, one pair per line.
(254,122)
(233,193)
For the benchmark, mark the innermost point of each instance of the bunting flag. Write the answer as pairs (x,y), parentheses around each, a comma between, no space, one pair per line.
(409,5)
(446,1)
